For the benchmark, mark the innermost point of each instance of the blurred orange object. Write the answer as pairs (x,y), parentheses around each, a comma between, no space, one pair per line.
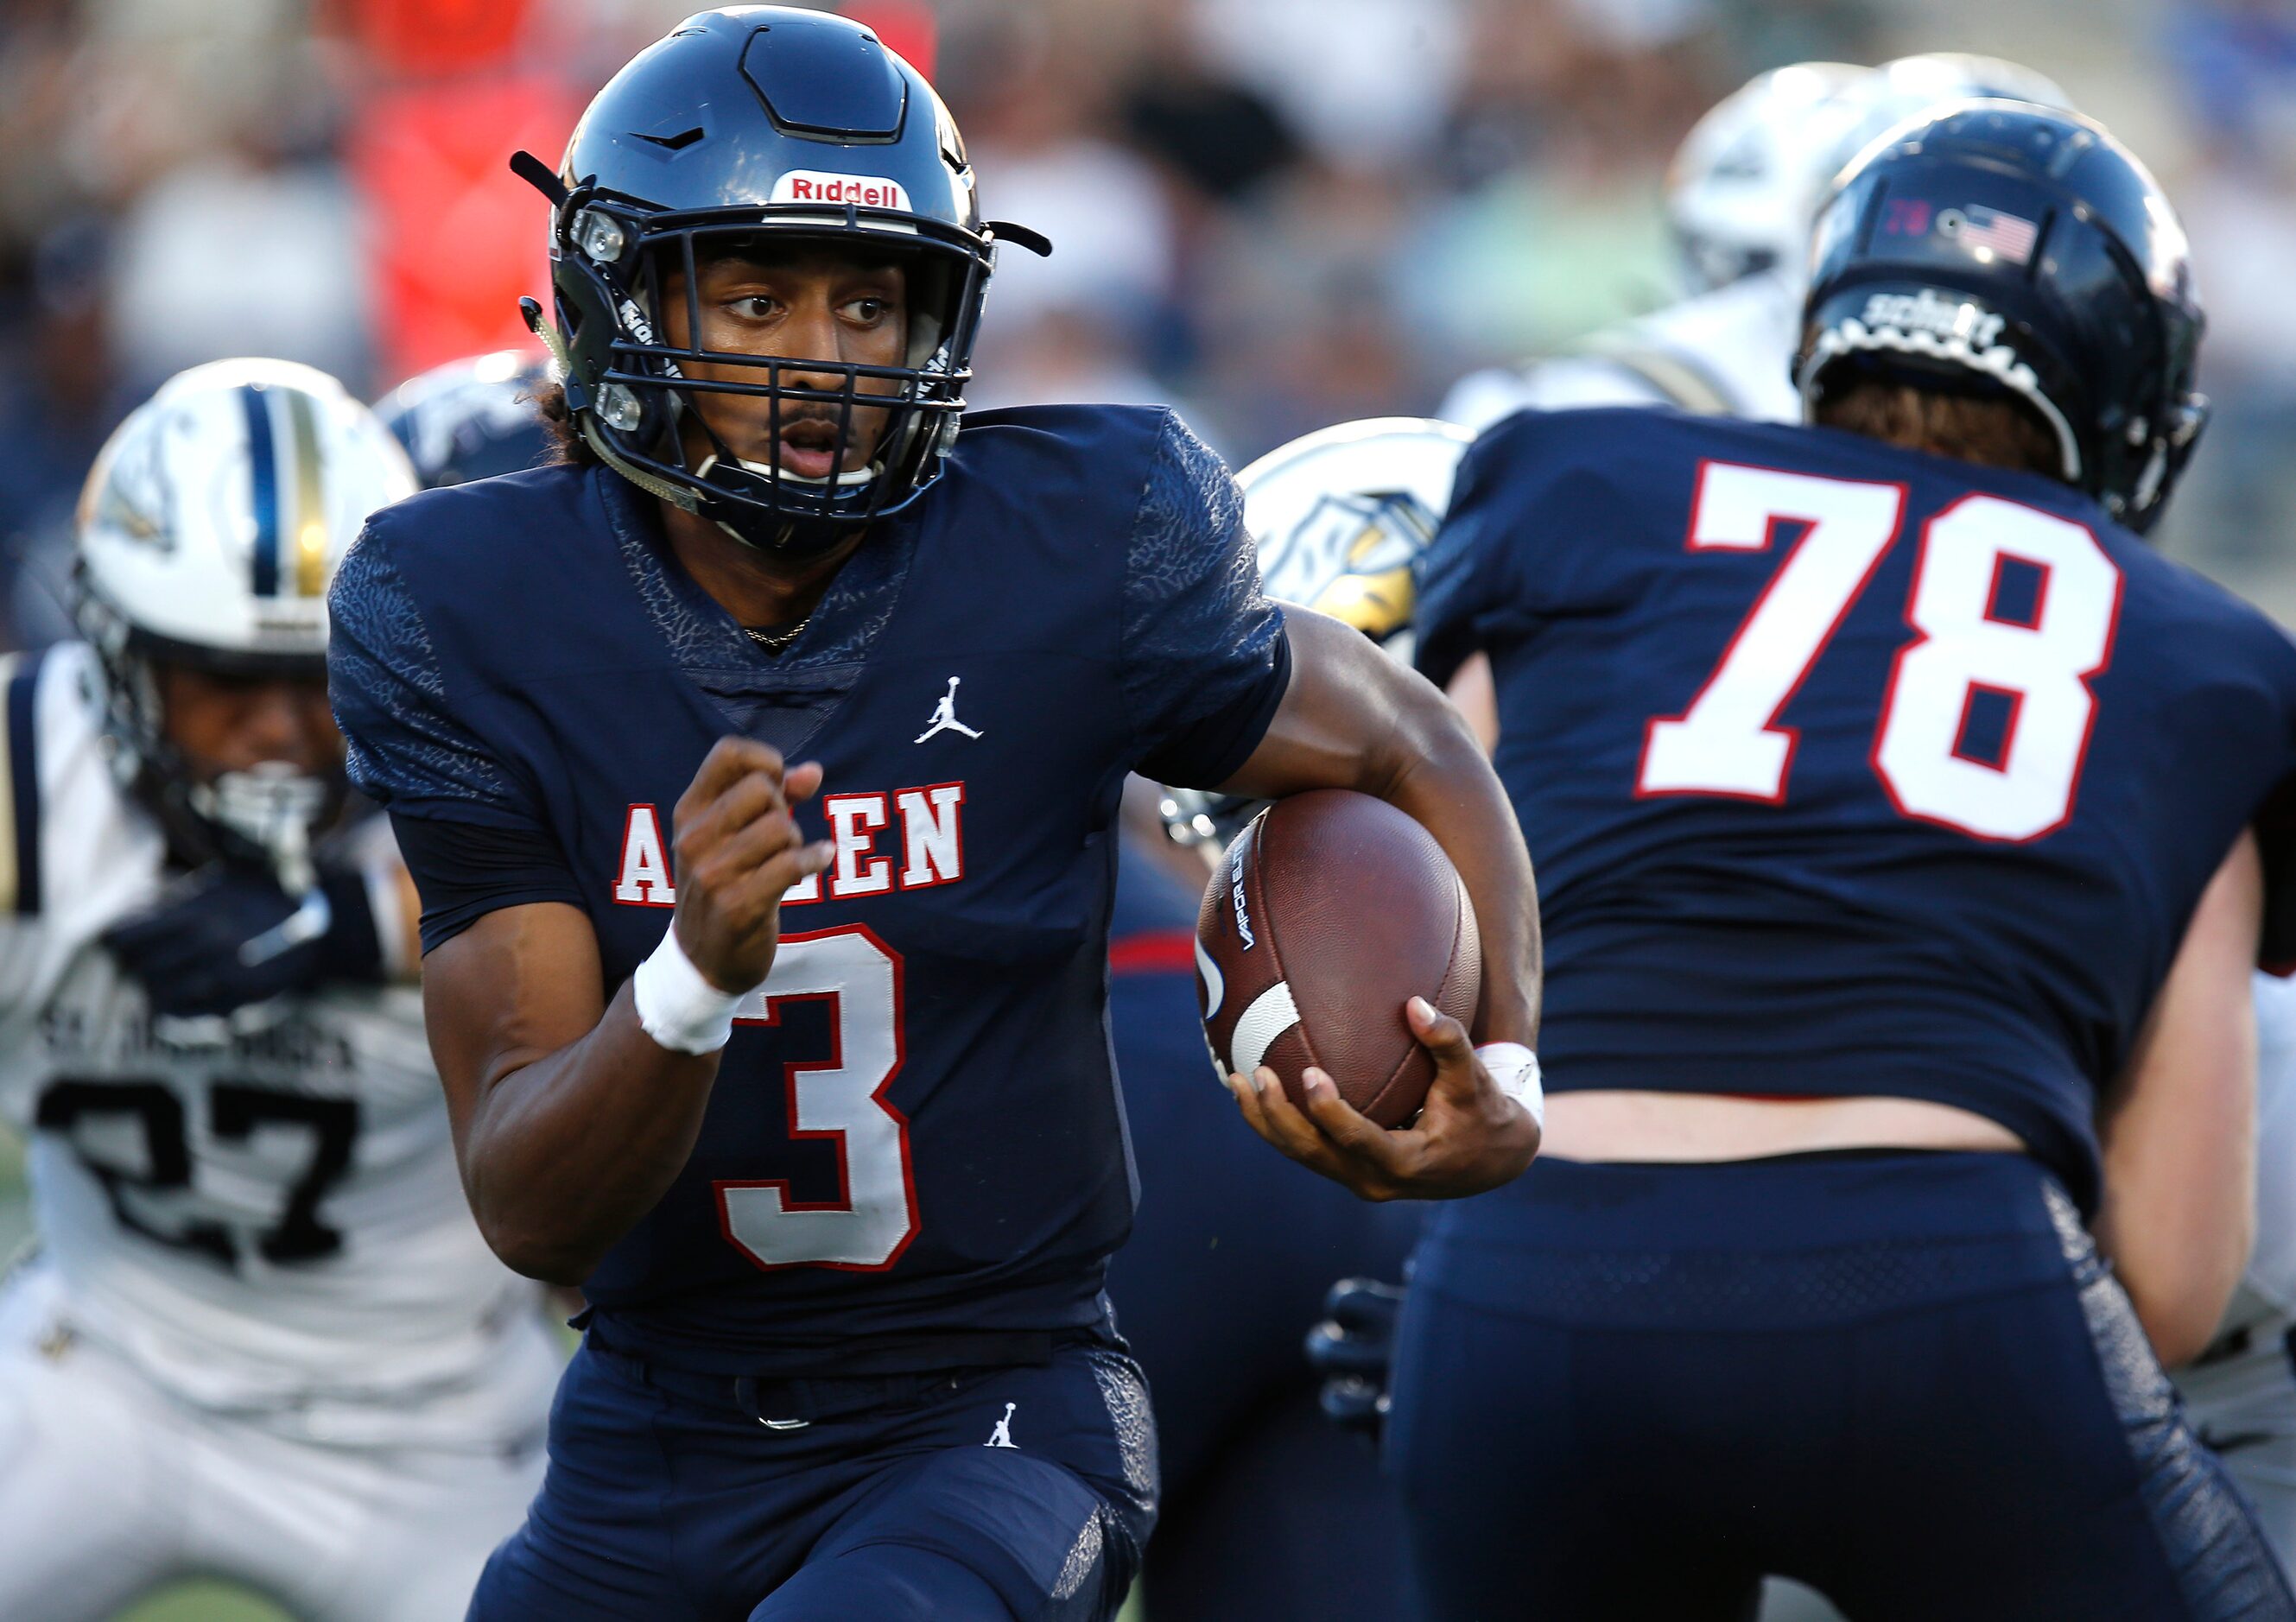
(905,28)
(424,38)
(454,237)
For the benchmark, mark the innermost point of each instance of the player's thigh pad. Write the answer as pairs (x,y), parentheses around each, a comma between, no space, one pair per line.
(356,1534)
(1035,1483)
(597,1538)
(1044,1488)
(886,1583)
(91,1485)
(979,1535)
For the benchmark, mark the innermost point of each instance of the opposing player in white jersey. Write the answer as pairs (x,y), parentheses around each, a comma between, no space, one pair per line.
(261,1336)
(1740,196)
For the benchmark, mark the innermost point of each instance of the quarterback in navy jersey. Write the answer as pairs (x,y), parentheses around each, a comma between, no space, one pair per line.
(758,766)
(1899,818)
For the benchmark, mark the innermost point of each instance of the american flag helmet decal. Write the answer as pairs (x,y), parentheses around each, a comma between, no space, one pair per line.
(1990,232)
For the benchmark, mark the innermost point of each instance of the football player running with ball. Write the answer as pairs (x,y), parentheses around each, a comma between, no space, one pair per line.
(1902,894)
(262,1338)
(760,769)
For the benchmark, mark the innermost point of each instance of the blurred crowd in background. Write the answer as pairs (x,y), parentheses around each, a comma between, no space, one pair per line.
(1275,214)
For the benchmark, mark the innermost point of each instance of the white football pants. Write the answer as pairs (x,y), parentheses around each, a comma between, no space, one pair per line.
(109,1489)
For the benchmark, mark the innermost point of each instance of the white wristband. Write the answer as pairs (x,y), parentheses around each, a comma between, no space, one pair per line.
(1514,1068)
(679,1008)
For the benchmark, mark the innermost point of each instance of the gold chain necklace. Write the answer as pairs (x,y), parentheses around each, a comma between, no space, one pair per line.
(775,640)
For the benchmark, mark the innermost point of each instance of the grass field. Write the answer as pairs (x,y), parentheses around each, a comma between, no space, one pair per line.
(204,1603)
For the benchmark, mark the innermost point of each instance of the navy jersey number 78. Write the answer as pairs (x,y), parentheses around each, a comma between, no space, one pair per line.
(2042,729)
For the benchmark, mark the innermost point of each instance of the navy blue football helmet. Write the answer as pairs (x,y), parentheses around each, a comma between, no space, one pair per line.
(748,128)
(471,418)
(2001,248)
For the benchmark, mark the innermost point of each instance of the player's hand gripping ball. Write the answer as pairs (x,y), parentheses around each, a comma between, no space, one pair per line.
(1330,912)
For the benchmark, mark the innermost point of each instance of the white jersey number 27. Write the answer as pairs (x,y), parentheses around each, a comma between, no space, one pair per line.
(842,1099)
(153,1190)
(1728,742)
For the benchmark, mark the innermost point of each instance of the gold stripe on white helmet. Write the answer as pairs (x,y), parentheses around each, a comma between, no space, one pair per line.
(216,513)
(313,541)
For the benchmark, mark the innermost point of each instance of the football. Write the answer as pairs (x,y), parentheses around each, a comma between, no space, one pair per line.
(1328,913)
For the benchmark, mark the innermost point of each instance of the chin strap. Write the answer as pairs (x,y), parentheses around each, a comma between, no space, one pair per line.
(1020,236)
(661,489)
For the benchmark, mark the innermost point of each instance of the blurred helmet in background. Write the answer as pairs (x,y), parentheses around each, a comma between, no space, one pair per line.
(471,419)
(209,530)
(1341,520)
(1746,183)
(1964,76)
(2003,249)
(1746,180)
(773,125)
(1907,88)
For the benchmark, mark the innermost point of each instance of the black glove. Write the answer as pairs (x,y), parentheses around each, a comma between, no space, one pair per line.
(1350,1349)
(228,935)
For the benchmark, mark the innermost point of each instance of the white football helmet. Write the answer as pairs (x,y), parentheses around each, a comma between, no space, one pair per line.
(1964,76)
(1909,86)
(1342,519)
(1745,182)
(209,530)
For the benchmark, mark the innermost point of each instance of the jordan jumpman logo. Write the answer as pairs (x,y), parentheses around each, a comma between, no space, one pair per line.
(1002,1436)
(944,716)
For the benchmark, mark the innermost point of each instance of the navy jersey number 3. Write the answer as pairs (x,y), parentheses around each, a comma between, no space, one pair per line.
(917,1132)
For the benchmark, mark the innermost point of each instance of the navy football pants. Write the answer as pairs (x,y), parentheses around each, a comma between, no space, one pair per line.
(1906,1379)
(898,1501)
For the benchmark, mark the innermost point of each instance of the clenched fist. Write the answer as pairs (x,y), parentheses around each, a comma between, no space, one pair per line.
(737,848)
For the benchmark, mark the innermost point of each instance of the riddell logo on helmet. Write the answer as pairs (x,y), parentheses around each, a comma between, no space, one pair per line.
(819,186)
